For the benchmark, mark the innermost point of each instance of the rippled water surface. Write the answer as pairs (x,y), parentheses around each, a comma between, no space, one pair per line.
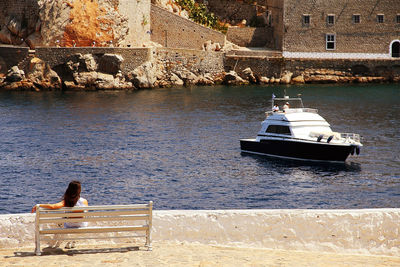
(180,148)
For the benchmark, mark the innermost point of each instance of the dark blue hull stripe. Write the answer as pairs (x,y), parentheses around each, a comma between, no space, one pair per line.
(299,150)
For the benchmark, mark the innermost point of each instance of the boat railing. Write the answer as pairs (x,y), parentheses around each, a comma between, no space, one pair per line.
(292,110)
(311,110)
(352,136)
(269,113)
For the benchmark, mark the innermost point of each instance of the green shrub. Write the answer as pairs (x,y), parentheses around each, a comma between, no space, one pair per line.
(199,14)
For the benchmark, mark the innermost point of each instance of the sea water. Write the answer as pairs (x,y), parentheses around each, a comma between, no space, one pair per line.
(180,148)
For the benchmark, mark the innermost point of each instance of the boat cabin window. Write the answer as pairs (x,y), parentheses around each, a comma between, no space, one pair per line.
(278,129)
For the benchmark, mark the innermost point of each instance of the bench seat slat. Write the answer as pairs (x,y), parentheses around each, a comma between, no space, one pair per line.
(65,237)
(91,214)
(94,229)
(96,219)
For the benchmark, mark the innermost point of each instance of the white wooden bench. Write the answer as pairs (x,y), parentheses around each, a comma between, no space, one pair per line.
(118,220)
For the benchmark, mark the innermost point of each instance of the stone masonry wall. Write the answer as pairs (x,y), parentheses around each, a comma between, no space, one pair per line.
(275,67)
(275,8)
(268,67)
(368,36)
(196,61)
(133,57)
(171,30)
(250,36)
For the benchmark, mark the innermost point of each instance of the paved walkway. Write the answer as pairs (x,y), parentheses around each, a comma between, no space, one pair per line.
(173,254)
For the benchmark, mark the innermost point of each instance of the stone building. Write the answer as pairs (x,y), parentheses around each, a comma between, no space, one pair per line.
(336,29)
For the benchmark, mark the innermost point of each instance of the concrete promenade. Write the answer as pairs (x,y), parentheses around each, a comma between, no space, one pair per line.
(368,237)
(185,254)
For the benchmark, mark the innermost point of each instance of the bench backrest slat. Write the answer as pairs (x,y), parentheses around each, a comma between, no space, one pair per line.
(96,219)
(92,214)
(103,207)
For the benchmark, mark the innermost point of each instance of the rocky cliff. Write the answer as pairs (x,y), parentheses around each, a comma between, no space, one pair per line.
(62,22)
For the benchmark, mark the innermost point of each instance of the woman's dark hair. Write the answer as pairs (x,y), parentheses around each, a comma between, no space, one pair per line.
(72,194)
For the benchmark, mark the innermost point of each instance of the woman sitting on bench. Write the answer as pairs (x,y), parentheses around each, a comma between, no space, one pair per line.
(72,198)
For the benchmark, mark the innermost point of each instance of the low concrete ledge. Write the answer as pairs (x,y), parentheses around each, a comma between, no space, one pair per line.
(366,231)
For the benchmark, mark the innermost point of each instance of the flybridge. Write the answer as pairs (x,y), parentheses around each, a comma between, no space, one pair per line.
(293,102)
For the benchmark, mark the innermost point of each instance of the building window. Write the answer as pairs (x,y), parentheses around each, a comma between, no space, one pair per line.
(306,20)
(330,42)
(330,19)
(356,18)
(398,18)
(380,18)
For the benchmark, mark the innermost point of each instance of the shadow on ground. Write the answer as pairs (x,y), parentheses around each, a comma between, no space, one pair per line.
(70,252)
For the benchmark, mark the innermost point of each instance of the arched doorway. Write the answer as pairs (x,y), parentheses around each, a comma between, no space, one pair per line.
(395,48)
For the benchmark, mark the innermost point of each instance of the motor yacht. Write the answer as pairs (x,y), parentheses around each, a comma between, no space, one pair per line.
(292,131)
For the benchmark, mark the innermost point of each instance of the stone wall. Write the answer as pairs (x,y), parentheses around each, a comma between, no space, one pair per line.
(366,231)
(171,30)
(368,36)
(11,56)
(268,67)
(275,8)
(251,37)
(275,67)
(133,57)
(196,61)
(377,68)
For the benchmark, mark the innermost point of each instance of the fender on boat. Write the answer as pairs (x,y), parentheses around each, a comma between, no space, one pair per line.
(352,150)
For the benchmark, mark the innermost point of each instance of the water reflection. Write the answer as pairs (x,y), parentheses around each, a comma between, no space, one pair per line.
(283,164)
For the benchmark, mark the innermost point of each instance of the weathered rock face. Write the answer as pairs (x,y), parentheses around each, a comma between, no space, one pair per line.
(211,46)
(38,77)
(249,75)
(110,63)
(232,78)
(171,6)
(64,23)
(287,77)
(144,76)
(91,72)
(15,75)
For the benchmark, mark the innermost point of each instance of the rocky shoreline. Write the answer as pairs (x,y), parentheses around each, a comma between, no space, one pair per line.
(93,72)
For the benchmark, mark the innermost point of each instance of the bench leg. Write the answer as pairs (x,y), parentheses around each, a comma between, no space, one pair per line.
(148,240)
(37,250)
(37,230)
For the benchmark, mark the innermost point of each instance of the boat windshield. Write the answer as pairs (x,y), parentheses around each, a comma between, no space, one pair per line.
(293,102)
